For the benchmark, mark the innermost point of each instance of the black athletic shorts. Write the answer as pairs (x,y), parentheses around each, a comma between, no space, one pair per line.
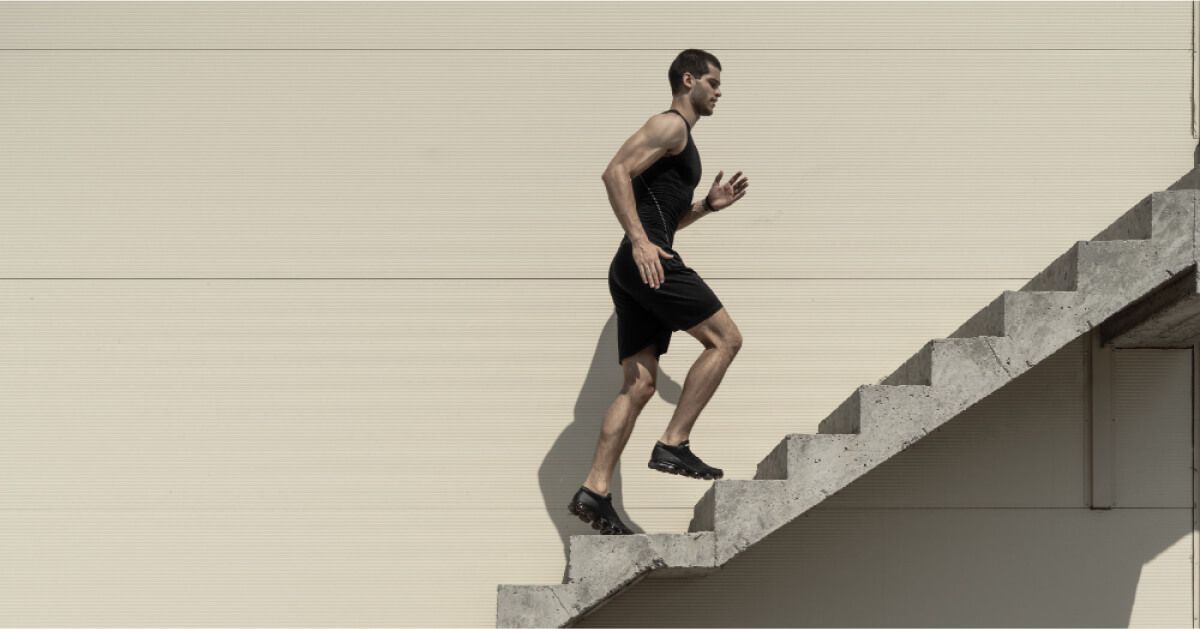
(648,315)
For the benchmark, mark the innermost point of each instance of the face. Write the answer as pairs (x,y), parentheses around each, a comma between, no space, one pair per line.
(706,91)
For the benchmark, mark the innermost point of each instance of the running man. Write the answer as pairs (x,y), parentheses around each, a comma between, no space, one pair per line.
(650,183)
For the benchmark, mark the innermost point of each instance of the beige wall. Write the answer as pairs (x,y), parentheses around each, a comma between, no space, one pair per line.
(304,316)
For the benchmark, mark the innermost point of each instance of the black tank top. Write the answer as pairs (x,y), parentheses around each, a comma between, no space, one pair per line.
(664,191)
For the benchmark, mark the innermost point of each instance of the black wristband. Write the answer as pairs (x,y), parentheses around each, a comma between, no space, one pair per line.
(708,206)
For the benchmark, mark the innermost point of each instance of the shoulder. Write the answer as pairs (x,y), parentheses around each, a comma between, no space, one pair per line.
(669,129)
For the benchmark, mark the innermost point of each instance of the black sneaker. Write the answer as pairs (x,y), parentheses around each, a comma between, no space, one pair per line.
(680,460)
(598,511)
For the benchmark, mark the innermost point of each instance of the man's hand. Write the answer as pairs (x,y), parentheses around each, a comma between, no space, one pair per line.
(721,196)
(645,255)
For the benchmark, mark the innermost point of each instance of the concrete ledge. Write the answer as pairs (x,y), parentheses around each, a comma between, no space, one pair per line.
(1022,313)
(530,606)
(1134,224)
(742,512)
(1168,317)
(1059,275)
(953,363)
(624,556)
(803,452)
(873,408)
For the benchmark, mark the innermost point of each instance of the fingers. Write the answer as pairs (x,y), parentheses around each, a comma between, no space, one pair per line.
(736,183)
(739,186)
(652,274)
(658,269)
(661,274)
(655,273)
(652,271)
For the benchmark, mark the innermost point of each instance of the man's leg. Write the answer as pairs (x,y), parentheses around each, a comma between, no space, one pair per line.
(722,340)
(640,370)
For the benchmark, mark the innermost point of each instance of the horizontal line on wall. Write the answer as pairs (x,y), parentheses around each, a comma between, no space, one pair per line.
(609,49)
(218,509)
(932,508)
(493,279)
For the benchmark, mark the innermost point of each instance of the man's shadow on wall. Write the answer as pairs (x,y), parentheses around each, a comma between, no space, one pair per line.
(569,460)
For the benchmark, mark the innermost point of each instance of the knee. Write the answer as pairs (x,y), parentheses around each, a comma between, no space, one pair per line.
(730,343)
(735,342)
(640,390)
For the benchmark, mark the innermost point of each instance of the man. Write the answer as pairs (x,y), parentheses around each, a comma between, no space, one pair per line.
(650,183)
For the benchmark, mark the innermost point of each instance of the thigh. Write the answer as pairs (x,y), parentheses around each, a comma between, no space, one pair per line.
(719,329)
(639,334)
(682,301)
(641,366)
(639,331)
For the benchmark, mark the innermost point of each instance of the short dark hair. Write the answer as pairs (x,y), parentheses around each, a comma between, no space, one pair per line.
(692,60)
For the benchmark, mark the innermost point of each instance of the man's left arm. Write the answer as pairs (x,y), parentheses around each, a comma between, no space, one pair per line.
(719,197)
(694,213)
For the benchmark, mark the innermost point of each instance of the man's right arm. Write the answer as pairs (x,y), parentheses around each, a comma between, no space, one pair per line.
(638,153)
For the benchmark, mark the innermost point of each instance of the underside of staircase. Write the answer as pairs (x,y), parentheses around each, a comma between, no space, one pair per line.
(1111,279)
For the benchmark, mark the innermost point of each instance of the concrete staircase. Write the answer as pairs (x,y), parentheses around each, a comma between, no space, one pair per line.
(1087,284)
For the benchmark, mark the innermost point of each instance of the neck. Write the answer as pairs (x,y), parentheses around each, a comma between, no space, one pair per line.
(685,108)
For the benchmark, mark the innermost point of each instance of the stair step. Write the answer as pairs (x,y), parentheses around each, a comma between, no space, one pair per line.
(1137,223)
(800,454)
(534,605)
(727,503)
(673,554)
(1162,222)
(820,465)
(962,364)
(1029,314)
(555,605)
(741,512)
(1094,265)
(882,409)
(1166,216)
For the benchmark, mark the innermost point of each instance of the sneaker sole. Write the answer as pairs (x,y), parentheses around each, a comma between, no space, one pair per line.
(671,468)
(598,522)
